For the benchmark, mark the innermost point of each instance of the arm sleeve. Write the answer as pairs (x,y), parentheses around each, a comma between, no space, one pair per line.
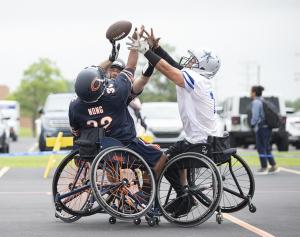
(162,53)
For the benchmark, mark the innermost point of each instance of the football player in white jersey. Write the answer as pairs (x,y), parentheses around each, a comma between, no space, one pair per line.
(195,96)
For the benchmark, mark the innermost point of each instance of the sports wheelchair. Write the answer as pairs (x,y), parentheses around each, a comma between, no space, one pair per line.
(230,190)
(103,176)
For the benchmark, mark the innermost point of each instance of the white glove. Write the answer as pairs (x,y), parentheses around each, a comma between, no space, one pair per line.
(140,45)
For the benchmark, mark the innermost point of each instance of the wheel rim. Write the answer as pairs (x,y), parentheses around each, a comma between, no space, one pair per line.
(205,190)
(120,180)
(238,184)
(73,168)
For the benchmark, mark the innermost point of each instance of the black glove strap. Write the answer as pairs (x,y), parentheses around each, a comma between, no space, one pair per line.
(152,57)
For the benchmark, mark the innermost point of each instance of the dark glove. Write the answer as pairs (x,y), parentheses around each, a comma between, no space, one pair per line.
(114,51)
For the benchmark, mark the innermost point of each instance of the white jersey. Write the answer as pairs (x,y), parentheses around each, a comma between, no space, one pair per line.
(197,107)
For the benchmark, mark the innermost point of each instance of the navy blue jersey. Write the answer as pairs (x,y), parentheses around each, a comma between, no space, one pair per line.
(111,108)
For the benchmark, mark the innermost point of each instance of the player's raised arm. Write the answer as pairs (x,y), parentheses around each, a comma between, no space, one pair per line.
(156,61)
(112,57)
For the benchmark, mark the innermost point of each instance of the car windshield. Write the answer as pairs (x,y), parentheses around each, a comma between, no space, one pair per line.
(58,102)
(160,111)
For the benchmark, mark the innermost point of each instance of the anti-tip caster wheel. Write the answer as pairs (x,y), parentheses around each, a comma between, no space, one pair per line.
(137,221)
(112,220)
(219,218)
(151,222)
(252,208)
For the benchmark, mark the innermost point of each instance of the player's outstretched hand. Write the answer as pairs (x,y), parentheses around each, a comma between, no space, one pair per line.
(152,40)
(114,51)
(137,44)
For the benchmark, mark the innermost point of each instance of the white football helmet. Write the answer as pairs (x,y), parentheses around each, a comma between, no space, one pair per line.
(203,62)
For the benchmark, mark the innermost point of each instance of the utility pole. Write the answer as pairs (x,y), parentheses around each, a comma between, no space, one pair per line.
(258,74)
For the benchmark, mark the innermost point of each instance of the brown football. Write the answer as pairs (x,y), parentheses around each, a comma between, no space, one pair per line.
(118,30)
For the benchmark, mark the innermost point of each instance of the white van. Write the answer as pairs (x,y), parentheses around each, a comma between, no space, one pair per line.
(235,118)
(11,110)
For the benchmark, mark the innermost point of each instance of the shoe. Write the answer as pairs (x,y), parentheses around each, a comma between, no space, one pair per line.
(171,206)
(262,171)
(184,207)
(274,169)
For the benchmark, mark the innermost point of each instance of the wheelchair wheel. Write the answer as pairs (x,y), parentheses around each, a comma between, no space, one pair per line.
(123,183)
(66,217)
(71,187)
(194,203)
(238,184)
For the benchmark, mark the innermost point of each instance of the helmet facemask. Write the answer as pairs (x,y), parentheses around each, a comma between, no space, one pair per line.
(205,64)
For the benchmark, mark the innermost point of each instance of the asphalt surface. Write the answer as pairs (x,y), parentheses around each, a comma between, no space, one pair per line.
(24,144)
(26,210)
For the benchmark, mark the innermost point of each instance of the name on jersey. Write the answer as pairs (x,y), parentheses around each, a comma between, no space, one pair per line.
(95,110)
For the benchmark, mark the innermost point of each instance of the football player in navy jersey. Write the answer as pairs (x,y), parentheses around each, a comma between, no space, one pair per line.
(103,101)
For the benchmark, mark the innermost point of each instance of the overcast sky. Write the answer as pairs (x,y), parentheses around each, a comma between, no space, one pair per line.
(244,34)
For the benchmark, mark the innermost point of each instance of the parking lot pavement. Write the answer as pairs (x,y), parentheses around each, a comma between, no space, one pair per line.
(24,144)
(27,210)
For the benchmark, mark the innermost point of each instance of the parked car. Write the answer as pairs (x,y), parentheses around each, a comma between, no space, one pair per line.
(54,118)
(163,122)
(11,110)
(293,128)
(4,134)
(234,115)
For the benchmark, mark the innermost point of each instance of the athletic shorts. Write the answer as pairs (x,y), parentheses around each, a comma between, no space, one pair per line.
(149,152)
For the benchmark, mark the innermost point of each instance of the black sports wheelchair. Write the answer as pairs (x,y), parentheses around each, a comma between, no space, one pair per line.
(104,176)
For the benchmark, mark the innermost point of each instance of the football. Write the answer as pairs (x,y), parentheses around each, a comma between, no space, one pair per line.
(118,30)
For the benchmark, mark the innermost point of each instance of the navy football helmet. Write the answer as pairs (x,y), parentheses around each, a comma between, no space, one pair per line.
(90,84)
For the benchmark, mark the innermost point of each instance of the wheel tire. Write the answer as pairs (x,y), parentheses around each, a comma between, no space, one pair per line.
(297,146)
(283,142)
(42,142)
(65,217)
(151,222)
(215,200)
(14,137)
(56,178)
(6,148)
(137,221)
(112,220)
(252,208)
(250,191)
(219,218)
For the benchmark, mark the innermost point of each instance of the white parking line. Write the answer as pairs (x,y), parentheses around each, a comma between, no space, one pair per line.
(290,170)
(3,171)
(33,148)
(29,193)
(247,226)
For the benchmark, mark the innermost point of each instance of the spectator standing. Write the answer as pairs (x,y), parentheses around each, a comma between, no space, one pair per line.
(262,132)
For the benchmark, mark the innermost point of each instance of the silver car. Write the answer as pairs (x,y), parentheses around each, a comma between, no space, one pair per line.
(163,122)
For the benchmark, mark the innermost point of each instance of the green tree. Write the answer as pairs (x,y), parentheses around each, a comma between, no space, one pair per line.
(294,104)
(39,80)
(159,88)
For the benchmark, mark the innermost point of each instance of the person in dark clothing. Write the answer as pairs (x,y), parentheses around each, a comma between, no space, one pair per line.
(262,132)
